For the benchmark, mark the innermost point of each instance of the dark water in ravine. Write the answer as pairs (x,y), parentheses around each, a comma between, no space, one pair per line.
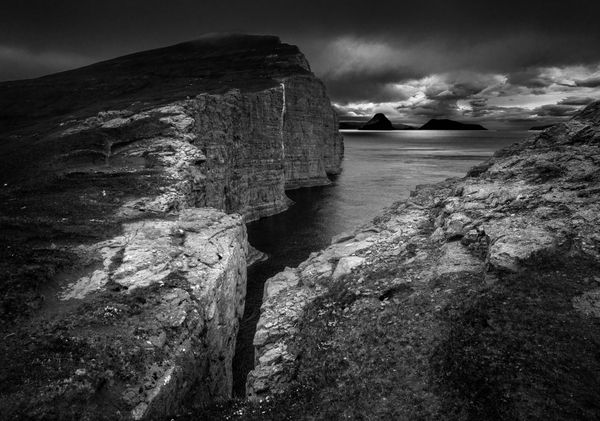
(379,168)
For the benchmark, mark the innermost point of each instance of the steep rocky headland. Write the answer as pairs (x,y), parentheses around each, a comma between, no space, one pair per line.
(476,298)
(378,122)
(124,188)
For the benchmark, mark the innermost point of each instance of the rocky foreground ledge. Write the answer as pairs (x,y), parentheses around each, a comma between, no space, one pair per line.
(124,188)
(477,298)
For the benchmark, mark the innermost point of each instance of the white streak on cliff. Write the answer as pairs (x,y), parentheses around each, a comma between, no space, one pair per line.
(283,111)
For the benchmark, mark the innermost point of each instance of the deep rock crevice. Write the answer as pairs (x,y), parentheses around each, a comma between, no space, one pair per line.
(122,222)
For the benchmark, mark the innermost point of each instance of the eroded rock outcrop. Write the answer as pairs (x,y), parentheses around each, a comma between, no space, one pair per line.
(470,288)
(234,151)
(123,274)
(154,319)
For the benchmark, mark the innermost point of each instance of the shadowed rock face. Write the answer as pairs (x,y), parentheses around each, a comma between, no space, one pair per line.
(121,270)
(444,124)
(241,117)
(378,122)
(458,282)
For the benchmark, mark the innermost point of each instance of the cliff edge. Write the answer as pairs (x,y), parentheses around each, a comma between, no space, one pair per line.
(124,188)
(476,298)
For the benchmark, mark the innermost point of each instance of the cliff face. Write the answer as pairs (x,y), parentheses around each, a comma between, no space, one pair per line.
(123,280)
(225,134)
(477,298)
(132,325)
(281,138)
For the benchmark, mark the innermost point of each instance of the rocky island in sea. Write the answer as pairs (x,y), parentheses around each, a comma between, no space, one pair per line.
(378,122)
(125,188)
(445,124)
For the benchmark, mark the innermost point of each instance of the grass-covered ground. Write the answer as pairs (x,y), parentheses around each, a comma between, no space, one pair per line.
(513,349)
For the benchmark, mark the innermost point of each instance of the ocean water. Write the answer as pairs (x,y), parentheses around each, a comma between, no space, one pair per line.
(379,168)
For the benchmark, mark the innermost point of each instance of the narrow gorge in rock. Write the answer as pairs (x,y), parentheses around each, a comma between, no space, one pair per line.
(124,205)
(495,269)
(254,211)
(377,170)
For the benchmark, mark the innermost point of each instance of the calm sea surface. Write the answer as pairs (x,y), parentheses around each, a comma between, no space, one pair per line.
(379,168)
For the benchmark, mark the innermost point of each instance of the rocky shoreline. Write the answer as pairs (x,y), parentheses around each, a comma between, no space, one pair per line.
(467,301)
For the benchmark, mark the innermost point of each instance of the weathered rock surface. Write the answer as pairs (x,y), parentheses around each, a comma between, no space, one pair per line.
(156,319)
(123,277)
(408,275)
(227,122)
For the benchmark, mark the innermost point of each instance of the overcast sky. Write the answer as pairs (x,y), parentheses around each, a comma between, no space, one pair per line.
(505,64)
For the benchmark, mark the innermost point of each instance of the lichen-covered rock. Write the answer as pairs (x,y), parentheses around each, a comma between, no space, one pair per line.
(421,259)
(163,306)
(345,265)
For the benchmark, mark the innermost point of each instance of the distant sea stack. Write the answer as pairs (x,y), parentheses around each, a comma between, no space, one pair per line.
(541,128)
(378,122)
(125,186)
(445,124)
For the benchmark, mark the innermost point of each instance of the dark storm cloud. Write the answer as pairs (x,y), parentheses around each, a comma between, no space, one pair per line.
(396,52)
(456,90)
(529,78)
(592,82)
(479,107)
(555,110)
(434,109)
(520,56)
(574,100)
(503,33)
(365,85)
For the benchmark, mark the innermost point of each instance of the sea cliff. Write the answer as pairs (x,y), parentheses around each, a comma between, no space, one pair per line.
(125,186)
(476,298)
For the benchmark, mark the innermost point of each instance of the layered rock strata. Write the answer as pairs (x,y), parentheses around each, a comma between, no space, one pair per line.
(422,258)
(193,271)
(153,319)
(224,135)
(123,276)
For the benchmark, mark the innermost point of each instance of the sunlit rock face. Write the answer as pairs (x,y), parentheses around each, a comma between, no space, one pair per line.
(123,258)
(189,278)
